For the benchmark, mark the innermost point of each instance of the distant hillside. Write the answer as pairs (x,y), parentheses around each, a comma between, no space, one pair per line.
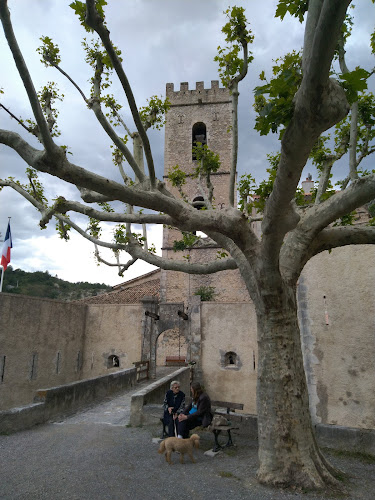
(42,284)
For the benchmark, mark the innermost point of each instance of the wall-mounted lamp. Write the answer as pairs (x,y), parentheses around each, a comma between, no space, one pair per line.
(183,315)
(152,315)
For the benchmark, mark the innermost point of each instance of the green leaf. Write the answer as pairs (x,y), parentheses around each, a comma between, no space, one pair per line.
(177,176)
(296,8)
(354,82)
(188,240)
(207,161)
(277,110)
(80,10)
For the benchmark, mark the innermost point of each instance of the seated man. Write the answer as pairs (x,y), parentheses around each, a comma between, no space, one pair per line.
(174,404)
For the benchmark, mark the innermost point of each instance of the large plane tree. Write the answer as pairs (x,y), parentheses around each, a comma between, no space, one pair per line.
(301,101)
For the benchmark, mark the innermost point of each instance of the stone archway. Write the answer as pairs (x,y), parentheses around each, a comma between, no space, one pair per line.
(169,343)
(162,317)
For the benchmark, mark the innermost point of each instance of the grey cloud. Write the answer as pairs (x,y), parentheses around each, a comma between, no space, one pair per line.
(162,41)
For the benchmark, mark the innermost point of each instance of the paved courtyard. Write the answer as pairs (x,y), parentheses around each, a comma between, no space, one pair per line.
(96,455)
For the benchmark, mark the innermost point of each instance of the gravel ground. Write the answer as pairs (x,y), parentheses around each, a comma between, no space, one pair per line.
(95,455)
(83,458)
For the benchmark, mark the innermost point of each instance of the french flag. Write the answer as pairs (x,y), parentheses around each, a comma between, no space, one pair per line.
(5,254)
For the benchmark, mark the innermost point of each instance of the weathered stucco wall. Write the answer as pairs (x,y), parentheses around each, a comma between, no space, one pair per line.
(112,330)
(336,296)
(47,343)
(230,328)
(41,344)
(337,315)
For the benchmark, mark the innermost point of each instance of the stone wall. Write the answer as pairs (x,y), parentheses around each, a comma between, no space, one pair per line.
(112,330)
(41,344)
(337,317)
(229,333)
(212,107)
(46,343)
(336,298)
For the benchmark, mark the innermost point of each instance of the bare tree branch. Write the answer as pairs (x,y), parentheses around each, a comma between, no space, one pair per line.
(122,267)
(323,26)
(318,217)
(26,78)
(296,249)
(96,23)
(174,265)
(327,167)
(29,129)
(70,79)
(319,103)
(334,237)
(233,86)
(59,166)
(137,252)
(62,206)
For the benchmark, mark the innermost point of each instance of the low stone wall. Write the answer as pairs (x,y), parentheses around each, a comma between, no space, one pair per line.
(154,394)
(328,436)
(65,399)
(346,438)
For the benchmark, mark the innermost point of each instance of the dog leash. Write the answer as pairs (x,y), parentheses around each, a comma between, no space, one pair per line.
(175,430)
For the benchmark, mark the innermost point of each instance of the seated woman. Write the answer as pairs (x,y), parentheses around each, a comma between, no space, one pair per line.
(174,404)
(197,413)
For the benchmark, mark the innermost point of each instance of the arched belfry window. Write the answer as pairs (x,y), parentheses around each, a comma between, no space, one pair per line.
(199,134)
(198,202)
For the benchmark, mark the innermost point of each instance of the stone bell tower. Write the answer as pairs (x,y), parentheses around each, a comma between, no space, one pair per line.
(199,115)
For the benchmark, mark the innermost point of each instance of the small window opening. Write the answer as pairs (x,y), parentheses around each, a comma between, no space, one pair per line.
(79,361)
(34,363)
(199,134)
(2,369)
(230,359)
(58,362)
(113,361)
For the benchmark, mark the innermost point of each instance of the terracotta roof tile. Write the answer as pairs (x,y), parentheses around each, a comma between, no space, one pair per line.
(127,294)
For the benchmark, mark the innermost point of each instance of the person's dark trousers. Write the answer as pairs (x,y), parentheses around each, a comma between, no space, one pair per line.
(185,426)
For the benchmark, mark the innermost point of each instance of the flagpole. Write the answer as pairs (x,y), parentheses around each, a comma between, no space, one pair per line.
(2,267)
(2,276)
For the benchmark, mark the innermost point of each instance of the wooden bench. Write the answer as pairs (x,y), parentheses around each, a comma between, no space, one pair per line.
(175,361)
(217,429)
(143,368)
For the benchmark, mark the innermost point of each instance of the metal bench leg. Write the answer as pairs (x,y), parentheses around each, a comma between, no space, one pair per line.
(164,433)
(217,446)
(229,442)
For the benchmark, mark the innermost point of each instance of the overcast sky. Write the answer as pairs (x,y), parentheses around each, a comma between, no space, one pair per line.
(161,41)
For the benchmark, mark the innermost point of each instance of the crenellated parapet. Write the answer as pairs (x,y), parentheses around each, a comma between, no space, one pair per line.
(199,95)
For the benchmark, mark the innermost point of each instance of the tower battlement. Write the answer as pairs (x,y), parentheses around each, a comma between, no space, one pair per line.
(199,95)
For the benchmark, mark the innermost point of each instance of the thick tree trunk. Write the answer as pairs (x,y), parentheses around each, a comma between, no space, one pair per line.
(288,451)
